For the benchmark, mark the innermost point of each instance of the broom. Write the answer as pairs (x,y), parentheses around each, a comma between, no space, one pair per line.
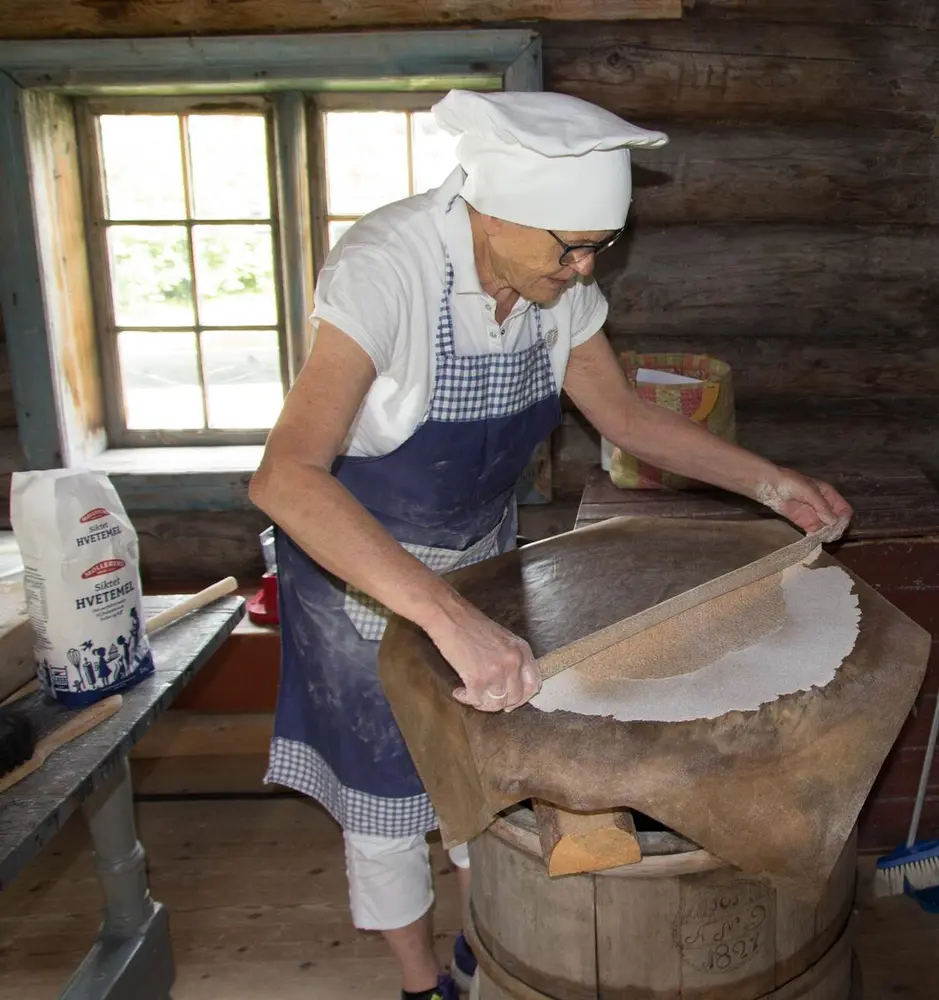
(914,865)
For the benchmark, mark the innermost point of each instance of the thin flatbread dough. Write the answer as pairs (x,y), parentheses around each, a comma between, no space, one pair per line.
(786,633)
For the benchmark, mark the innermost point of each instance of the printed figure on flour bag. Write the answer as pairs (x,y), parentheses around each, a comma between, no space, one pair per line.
(446,326)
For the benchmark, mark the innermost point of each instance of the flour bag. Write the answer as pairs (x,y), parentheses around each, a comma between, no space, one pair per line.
(82,583)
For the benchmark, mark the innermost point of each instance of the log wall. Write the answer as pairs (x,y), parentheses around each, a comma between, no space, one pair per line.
(788,228)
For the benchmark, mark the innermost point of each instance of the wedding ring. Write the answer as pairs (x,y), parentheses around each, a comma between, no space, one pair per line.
(499,697)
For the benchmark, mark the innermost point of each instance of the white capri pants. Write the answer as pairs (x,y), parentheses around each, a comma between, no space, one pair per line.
(390,883)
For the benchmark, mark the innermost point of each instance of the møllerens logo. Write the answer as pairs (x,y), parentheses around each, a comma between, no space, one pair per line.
(103,568)
(94,515)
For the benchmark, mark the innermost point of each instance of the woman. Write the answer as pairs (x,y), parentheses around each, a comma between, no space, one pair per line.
(446,326)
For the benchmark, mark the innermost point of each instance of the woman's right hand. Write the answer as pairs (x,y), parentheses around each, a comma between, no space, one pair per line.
(497,667)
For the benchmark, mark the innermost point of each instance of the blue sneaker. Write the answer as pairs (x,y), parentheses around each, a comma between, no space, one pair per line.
(446,989)
(463,966)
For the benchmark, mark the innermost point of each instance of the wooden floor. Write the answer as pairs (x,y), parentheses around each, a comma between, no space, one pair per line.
(257,901)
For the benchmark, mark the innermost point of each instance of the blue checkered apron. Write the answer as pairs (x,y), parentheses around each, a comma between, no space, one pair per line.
(446,494)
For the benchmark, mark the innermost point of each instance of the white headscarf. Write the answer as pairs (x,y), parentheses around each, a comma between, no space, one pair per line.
(544,160)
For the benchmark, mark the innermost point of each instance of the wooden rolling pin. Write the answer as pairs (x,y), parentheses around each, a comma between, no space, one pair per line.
(582,649)
(227,586)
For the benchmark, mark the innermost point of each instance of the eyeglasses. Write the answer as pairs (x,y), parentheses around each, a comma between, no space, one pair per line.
(571,253)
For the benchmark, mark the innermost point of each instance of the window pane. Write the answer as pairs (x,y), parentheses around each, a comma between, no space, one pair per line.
(433,152)
(366,160)
(229,166)
(242,377)
(143,167)
(150,276)
(160,377)
(235,275)
(337,230)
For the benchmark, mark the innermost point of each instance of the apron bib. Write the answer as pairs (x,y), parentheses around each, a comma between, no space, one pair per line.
(447,495)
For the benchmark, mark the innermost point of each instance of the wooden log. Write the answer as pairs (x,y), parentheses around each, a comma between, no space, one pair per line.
(200,545)
(841,311)
(826,433)
(207,734)
(574,842)
(7,403)
(810,173)
(703,71)
(898,13)
(210,775)
(17,664)
(149,18)
(70,314)
(818,436)
(796,369)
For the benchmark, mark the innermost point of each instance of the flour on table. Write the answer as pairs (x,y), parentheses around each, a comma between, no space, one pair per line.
(794,651)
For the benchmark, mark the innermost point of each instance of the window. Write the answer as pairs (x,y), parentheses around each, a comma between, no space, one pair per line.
(185,264)
(165,205)
(373,158)
(186,270)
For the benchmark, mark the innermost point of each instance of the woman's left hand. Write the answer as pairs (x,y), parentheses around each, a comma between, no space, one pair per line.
(811,504)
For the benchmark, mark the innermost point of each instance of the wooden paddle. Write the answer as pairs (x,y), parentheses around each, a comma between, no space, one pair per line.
(597,642)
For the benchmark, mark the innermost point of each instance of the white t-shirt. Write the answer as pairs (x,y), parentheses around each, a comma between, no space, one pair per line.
(382,285)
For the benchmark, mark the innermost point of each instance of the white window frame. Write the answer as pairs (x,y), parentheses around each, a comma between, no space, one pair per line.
(54,429)
(86,110)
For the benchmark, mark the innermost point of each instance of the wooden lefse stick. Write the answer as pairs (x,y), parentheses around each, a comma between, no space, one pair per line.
(227,586)
(76,726)
(805,549)
(575,842)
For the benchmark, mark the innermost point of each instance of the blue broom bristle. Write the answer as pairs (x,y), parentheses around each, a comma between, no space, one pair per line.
(904,855)
(917,865)
(923,874)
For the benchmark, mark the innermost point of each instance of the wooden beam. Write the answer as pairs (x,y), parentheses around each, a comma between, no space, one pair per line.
(200,545)
(527,72)
(574,842)
(185,492)
(296,243)
(433,60)
(701,71)
(21,291)
(802,311)
(898,13)
(149,18)
(200,734)
(214,775)
(59,211)
(800,173)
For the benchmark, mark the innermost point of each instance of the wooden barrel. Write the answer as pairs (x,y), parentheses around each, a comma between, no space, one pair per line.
(679,924)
